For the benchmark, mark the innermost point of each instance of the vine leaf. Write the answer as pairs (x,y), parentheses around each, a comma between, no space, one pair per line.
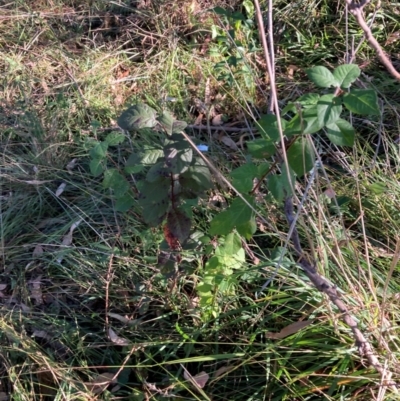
(115,138)
(116,181)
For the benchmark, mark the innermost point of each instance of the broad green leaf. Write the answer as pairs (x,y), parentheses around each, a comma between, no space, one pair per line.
(179,224)
(341,133)
(99,150)
(311,121)
(138,116)
(243,176)
(294,127)
(178,126)
(157,171)
(281,185)
(268,127)
(133,164)
(96,166)
(307,100)
(306,123)
(178,154)
(115,138)
(151,156)
(260,148)
(237,214)
(378,188)
(166,120)
(247,229)
(329,109)
(346,74)
(116,181)
(197,178)
(231,246)
(301,156)
(125,202)
(262,169)
(322,77)
(362,101)
(154,199)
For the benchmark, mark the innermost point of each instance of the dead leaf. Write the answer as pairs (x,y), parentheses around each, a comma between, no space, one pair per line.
(42,334)
(3,287)
(60,189)
(101,382)
(38,251)
(289,330)
(71,165)
(117,340)
(123,319)
(221,371)
(36,290)
(3,396)
(36,182)
(218,120)
(330,193)
(226,140)
(67,239)
(200,380)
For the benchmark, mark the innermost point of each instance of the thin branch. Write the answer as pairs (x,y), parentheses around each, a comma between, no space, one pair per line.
(365,349)
(357,10)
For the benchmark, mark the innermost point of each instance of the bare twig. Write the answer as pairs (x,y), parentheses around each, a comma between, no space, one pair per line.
(356,8)
(364,347)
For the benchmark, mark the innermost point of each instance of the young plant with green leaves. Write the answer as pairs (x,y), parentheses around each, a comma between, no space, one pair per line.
(168,175)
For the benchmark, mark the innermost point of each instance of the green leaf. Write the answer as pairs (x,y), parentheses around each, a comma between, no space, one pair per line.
(125,202)
(157,171)
(115,138)
(268,127)
(341,133)
(362,101)
(166,120)
(178,154)
(197,178)
(322,77)
(99,150)
(346,74)
(138,116)
(178,126)
(155,201)
(179,224)
(96,166)
(307,100)
(237,214)
(378,188)
(311,121)
(116,181)
(329,109)
(231,246)
(281,185)
(247,229)
(260,148)
(243,176)
(151,156)
(301,156)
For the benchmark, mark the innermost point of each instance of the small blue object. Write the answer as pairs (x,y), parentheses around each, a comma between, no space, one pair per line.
(202,148)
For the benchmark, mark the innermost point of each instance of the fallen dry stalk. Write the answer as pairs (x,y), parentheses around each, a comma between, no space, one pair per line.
(365,349)
(356,8)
